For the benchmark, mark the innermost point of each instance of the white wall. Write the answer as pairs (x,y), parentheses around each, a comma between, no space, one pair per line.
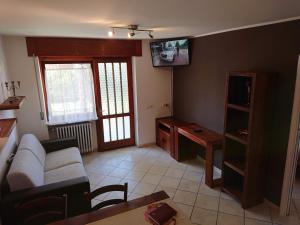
(3,78)
(21,67)
(152,91)
(11,142)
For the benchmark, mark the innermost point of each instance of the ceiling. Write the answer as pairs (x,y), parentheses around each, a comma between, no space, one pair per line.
(169,18)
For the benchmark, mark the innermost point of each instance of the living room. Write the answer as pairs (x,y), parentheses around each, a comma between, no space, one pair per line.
(195,107)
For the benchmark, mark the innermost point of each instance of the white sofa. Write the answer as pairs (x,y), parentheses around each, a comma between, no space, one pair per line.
(52,167)
(33,167)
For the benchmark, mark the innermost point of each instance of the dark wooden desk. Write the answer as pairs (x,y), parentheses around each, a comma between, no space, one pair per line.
(210,140)
(165,133)
(113,210)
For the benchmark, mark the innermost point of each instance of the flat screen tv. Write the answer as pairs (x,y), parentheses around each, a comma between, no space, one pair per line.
(173,52)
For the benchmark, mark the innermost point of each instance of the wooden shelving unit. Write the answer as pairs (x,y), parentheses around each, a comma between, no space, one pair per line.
(12,103)
(238,166)
(238,107)
(244,135)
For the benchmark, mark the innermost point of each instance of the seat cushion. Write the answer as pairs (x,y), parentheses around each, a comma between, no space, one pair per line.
(29,142)
(25,171)
(57,159)
(67,172)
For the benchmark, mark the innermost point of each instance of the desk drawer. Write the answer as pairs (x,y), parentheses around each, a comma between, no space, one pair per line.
(164,140)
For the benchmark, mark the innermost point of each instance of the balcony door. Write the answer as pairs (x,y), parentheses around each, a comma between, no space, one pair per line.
(115,109)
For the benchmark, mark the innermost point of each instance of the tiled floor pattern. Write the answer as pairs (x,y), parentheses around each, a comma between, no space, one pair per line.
(151,169)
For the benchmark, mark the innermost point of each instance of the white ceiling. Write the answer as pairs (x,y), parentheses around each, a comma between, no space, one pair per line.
(169,18)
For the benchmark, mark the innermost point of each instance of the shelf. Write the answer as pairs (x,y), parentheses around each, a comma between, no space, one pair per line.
(234,192)
(6,127)
(237,137)
(239,107)
(12,103)
(164,132)
(238,167)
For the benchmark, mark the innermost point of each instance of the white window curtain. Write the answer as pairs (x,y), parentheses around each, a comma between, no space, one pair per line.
(70,93)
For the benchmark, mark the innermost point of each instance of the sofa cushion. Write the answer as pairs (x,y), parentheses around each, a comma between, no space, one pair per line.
(29,142)
(25,171)
(67,172)
(62,158)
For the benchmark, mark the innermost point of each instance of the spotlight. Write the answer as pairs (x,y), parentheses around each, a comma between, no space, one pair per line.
(132,30)
(150,35)
(131,34)
(111,33)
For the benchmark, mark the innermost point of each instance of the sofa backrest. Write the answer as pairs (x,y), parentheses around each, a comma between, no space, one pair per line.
(30,142)
(27,168)
(25,172)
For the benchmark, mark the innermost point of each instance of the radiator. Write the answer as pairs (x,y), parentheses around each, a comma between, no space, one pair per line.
(83,133)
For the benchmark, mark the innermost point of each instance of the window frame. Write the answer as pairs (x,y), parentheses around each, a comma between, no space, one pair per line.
(63,60)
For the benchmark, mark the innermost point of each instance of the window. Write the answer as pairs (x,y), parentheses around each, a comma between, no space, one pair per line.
(70,93)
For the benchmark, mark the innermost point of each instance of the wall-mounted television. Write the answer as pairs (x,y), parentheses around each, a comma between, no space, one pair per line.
(170,52)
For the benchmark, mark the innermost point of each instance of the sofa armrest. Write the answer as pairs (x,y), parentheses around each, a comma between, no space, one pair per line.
(80,184)
(58,144)
(74,189)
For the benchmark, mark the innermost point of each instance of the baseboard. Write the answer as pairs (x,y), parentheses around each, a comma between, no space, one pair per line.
(146,145)
(271,204)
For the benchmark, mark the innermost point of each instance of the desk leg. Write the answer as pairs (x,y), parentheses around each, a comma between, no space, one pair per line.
(176,144)
(209,166)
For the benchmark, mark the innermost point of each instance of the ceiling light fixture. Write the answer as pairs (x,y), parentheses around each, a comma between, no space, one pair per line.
(111,33)
(132,31)
(150,34)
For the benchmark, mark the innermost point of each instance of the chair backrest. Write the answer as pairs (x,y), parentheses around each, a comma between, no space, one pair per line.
(105,189)
(41,211)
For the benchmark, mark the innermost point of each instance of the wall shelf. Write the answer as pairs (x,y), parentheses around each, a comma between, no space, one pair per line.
(6,127)
(12,103)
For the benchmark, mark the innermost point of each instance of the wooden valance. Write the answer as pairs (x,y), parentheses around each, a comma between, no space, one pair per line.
(55,47)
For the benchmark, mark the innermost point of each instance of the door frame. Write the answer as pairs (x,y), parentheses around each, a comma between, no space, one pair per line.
(99,124)
(292,151)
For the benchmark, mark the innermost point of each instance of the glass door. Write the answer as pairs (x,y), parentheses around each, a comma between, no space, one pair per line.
(116,117)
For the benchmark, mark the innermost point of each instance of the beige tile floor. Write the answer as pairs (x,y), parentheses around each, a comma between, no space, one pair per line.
(151,169)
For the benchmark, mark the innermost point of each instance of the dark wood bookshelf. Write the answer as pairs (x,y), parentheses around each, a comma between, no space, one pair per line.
(244,108)
(238,166)
(237,137)
(233,192)
(243,154)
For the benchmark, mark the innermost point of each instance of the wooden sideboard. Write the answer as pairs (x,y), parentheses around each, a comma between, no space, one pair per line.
(165,133)
(169,133)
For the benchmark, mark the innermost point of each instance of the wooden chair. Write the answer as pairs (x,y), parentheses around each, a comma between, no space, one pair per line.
(105,189)
(41,211)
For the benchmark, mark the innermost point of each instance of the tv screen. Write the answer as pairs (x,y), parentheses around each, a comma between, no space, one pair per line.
(170,52)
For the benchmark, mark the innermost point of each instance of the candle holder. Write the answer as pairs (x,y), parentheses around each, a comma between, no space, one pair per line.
(13,86)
